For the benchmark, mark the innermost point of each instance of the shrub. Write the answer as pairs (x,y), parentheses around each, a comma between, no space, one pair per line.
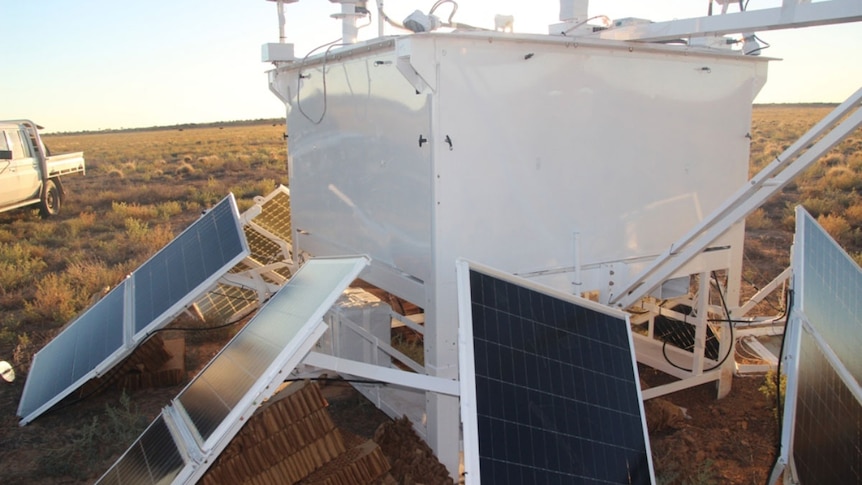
(18,266)
(757,220)
(166,210)
(133,210)
(136,230)
(92,277)
(836,226)
(770,386)
(116,173)
(56,300)
(87,445)
(817,206)
(184,168)
(844,179)
(158,237)
(853,214)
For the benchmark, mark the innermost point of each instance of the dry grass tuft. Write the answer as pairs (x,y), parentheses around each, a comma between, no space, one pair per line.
(185,168)
(116,173)
(837,227)
(758,220)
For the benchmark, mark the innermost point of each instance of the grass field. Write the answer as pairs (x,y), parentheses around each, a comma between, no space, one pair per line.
(143,187)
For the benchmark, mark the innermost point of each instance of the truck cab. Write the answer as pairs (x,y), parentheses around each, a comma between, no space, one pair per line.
(28,176)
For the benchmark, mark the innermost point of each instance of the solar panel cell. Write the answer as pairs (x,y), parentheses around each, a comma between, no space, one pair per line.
(245,372)
(82,345)
(159,289)
(556,394)
(152,459)
(827,437)
(185,263)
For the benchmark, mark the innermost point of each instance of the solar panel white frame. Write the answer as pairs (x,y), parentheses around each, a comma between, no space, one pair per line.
(467,368)
(306,297)
(265,269)
(42,389)
(834,321)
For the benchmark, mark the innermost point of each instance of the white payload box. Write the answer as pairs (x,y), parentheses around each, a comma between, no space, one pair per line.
(573,162)
(570,162)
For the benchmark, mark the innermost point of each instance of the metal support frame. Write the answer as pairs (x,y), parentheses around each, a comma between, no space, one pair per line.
(692,368)
(791,14)
(436,294)
(778,281)
(385,375)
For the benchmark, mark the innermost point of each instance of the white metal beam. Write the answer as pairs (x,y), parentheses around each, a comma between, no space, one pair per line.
(764,292)
(788,16)
(378,373)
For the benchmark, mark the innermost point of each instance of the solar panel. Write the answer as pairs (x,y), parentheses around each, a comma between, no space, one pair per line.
(824,398)
(827,445)
(831,294)
(274,219)
(149,298)
(153,458)
(224,302)
(549,389)
(214,406)
(266,226)
(208,247)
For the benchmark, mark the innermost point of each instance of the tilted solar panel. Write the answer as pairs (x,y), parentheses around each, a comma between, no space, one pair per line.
(67,361)
(215,405)
(186,263)
(269,259)
(149,298)
(154,458)
(549,388)
(827,407)
(275,218)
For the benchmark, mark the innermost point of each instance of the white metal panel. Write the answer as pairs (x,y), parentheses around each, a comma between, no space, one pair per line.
(629,185)
(360,181)
(454,154)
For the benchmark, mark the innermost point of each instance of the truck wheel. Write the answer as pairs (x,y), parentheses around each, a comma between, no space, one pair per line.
(50,205)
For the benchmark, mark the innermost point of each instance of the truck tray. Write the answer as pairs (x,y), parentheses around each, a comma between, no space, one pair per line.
(65,164)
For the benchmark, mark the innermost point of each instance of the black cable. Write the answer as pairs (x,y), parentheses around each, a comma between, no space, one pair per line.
(729,324)
(766,45)
(779,407)
(193,329)
(778,402)
(299,78)
(334,379)
(105,383)
(370,21)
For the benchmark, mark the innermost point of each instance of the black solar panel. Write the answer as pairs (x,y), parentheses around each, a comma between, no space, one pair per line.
(827,437)
(827,444)
(557,397)
(157,290)
(188,261)
(152,459)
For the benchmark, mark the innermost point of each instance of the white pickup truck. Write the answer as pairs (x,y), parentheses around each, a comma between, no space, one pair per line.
(28,175)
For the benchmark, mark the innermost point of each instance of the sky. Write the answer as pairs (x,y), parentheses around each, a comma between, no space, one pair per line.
(100,64)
